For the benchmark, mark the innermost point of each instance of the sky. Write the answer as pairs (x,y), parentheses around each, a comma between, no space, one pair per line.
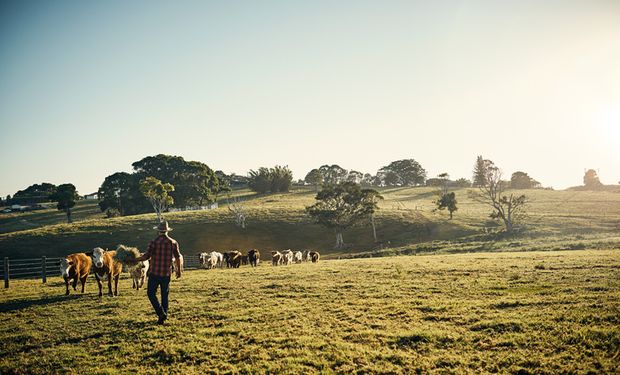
(89,87)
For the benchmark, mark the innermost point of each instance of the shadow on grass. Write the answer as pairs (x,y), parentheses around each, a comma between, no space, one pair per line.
(44,301)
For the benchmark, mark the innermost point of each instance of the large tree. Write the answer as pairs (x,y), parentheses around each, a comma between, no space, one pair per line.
(591,180)
(480,171)
(158,194)
(333,174)
(65,196)
(314,177)
(521,180)
(195,183)
(507,208)
(406,172)
(37,193)
(342,206)
(275,180)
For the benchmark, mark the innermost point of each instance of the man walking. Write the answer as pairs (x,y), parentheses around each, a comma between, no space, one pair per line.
(160,252)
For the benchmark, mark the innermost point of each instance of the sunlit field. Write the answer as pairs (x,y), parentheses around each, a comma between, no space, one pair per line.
(534,312)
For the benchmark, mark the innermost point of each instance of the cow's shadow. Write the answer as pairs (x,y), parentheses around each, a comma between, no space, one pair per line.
(42,301)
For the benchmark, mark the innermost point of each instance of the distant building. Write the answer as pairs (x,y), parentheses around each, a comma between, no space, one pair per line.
(92,196)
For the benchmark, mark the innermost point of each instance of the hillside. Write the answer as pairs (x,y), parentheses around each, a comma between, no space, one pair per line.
(406,223)
(517,313)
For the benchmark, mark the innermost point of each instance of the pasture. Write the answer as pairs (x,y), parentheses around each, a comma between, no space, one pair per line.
(406,223)
(511,312)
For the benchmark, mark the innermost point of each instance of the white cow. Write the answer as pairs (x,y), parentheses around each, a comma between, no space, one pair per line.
(204,260)
(138,274)
(287,256)
(298,257)
(217,259)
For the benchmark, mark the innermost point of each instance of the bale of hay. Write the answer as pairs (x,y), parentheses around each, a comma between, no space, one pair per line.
(127,255)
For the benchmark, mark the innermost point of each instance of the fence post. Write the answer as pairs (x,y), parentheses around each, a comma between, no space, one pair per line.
(6,272)
(44,269)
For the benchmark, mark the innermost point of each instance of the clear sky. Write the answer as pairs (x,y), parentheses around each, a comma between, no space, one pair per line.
(88,87)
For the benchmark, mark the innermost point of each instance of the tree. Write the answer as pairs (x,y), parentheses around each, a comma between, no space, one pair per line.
(480,171)
(238,210)
(355,176)
(342,206)
(275,180)
(158,194)
(259,181)
(65,196)
(120,193)
(507,208)
(194,182)
(333,174)
(591,180)
(314,177)
(463,183)
(521,180)
(406,172)
(37,193)
(447,201)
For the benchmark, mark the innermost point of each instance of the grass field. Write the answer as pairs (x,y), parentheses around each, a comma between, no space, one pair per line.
(406,224)
(522,312)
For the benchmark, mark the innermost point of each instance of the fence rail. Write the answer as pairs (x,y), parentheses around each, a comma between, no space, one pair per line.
(44,267)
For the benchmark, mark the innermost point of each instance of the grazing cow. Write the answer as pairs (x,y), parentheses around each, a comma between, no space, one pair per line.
(138,274)
(253,257)
(314,256)
(233,259)
(204,260)
(305,257)
(298,257)
(106,268)
(75,267)
(287,256)
(276,258)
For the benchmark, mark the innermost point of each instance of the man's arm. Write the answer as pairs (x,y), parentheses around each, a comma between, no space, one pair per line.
(177,258)
(147,255)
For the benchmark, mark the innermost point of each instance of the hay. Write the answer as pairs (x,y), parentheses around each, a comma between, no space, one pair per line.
(127,255)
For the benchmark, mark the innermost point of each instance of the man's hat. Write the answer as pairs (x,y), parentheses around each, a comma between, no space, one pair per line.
(163,227)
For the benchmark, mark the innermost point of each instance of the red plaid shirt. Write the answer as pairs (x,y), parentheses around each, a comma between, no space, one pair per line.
(160,252)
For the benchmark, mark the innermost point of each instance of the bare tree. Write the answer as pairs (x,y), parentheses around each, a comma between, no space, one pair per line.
(238,210)
(507,208)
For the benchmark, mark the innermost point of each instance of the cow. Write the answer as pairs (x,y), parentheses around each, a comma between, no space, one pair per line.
(314,256)
(244,260)
(298,257)
(305,257)
(138,274)
(287,256)
(276,258)
(204,260)
(75,267)
(219,259)
(106,268)
(233,259)
(253,257)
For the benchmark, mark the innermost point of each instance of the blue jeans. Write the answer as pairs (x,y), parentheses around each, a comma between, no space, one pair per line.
(151,291)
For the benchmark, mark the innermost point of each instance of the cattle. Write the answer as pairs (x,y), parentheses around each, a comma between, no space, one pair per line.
(276,258)
(204,260)
(298,257)
(106,268)
(253,257)
(75,267)
(233,259)
(305,257)
(314,256)
(287,256)
(244,260)
(138,274)
(219,259)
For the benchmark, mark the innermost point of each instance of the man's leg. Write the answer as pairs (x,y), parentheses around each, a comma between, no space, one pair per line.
(151,292)
(165,289)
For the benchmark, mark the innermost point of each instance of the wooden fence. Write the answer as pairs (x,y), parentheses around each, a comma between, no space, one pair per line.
(44,267)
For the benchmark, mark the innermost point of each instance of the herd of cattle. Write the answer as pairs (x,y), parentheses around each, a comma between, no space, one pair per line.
(106,267)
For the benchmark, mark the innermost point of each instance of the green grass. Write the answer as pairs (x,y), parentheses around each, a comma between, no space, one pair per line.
(19,221)
(406,223)
(523,312)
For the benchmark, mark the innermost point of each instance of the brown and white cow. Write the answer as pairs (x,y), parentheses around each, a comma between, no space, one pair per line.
(106,268)
(253,257)
(314,256)
(233,259)
(276,258)
(298,256)
(75,267)
(287,256)
(138,274)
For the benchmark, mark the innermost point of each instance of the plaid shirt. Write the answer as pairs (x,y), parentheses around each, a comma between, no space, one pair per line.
(160,252)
